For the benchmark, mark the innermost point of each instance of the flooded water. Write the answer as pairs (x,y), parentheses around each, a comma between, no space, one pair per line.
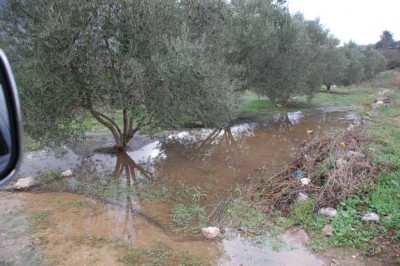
(199,166)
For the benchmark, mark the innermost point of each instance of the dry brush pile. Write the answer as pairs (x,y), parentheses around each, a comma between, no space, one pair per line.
(334,167)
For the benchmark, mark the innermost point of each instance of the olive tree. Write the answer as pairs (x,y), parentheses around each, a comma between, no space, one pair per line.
(374,62)
(78,57)
(279,52)
(354,72)
(334,63)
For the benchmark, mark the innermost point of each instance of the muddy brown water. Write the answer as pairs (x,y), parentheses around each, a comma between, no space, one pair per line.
(214,160)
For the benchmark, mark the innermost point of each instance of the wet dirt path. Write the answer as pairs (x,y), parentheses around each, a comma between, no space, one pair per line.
(150,187)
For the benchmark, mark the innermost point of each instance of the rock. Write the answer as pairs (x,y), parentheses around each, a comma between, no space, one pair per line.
(385,92)
(199,123)
(371,217)
(328,212)
(372,113)
(356,154)
(211,232)
(309,131)
(340,163)
(299,235)
(334,262)
(383,99)
(67,173)
(327,230)
(297,174)
(354,256)
(305,181)
(351,128)
(302,197)
(24,183)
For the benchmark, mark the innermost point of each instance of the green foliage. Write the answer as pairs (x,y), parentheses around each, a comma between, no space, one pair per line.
(189,214)
(386,149)
(302,213)
(41,216)
(241,214)
(354,72)
(374,63)
(385,199)
(77,58)
(194,85)
(40,219)
(334,63)
(349,230)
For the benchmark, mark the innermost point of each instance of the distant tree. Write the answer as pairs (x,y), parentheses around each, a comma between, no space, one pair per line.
(354,72)
(386,40)
(374,62)
(334,62)
(80,57)
(275,50)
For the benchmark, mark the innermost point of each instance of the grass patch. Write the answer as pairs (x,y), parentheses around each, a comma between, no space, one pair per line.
(253,103)
(303,214)
(158,255)
(80,203)
(180,194)
(31,144)
(244,215)
(92,240)
(188,218)
(40,219)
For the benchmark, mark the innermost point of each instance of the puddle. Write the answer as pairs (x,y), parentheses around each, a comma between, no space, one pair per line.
(207,163)
(81,231)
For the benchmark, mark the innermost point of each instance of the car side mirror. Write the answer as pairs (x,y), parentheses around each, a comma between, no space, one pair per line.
(10,122)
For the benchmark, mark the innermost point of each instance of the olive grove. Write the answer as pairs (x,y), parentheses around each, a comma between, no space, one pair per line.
(160,62)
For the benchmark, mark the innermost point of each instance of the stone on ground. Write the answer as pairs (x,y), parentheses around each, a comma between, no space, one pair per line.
(211,232)
(370,217)
(67,173)
(329,212)
(302,196)
(24,183)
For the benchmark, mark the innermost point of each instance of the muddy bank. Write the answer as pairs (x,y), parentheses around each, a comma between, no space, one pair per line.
(16,247)
(69,229)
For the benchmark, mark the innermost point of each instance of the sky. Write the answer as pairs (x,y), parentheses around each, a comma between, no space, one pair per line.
(362,21)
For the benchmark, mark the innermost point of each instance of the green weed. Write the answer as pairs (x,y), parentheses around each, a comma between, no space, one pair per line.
(80,203)
(302,213)
(92,240)
(242,214)
(40,219)
(277,245)
(186,215)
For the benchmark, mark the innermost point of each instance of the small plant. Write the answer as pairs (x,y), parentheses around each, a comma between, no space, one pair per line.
(277,245)
(40,219)
(41,216)
(302,213)
(80,203)
(185,215)
(242,214)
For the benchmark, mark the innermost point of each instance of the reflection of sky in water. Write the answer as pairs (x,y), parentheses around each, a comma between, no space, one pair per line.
(245,129)
(148,153)
(294,117)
